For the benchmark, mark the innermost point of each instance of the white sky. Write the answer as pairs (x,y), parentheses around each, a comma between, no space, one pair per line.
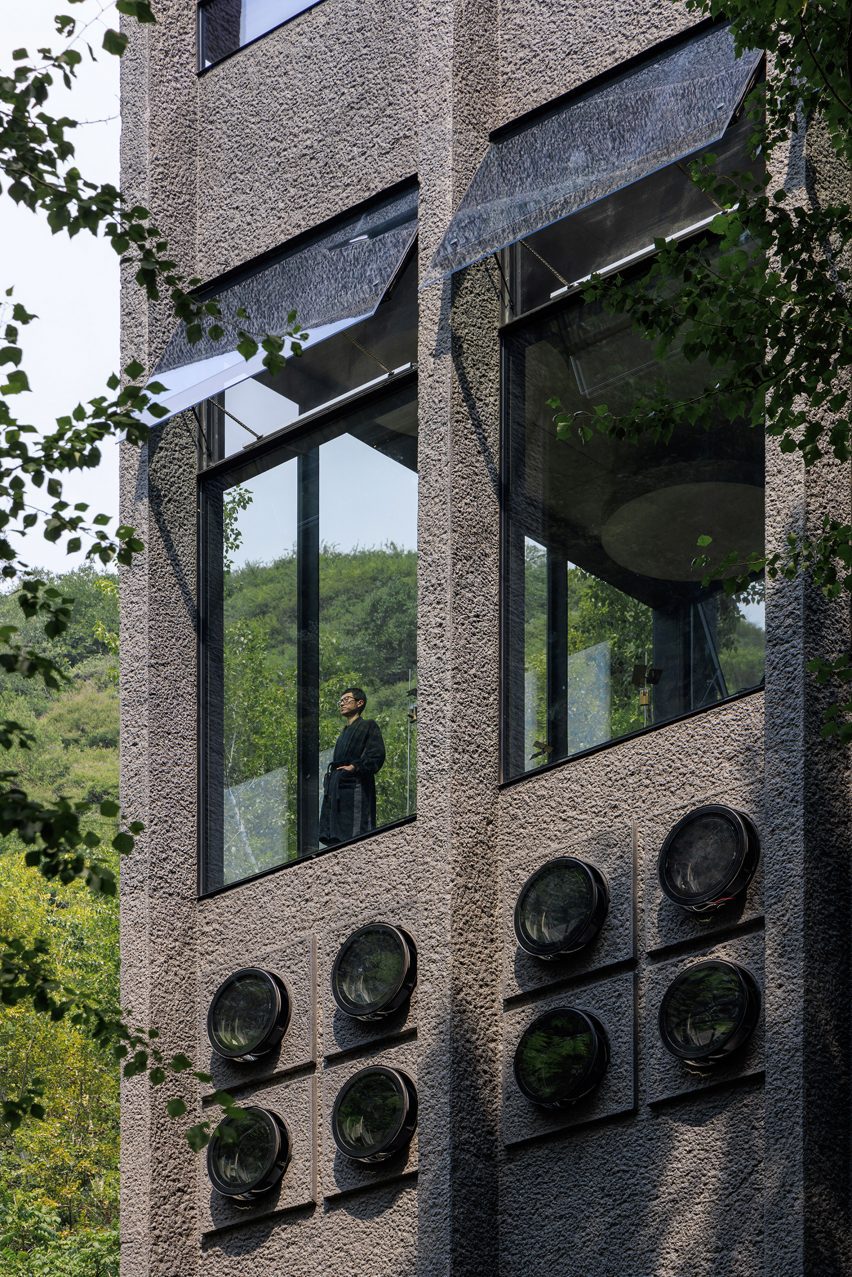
(72,285)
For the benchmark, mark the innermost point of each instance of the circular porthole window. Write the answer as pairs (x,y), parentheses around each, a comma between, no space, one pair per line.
(375,1114)
(708,858)
(709,1011)
(561,1057)
(248,1014)
(374,972)
(561,908)
(248,1155)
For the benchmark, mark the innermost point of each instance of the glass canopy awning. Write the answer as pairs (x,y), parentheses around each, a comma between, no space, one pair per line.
(676,102)
(332,281)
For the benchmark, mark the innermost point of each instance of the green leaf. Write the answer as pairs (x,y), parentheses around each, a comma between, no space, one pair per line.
(16,383)
(175,1108)
(114,42)
(198,1137)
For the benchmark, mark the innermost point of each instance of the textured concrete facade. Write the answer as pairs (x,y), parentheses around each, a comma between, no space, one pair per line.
(659,1173)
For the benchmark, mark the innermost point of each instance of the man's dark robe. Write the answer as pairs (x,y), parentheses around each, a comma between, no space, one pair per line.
(349,798)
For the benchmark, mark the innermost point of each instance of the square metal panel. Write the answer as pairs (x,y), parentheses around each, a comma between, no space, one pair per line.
(609,849)
(340,1174)
(295,1102)
(663,1075)
(294,961)
(340,1032)
(612,1003)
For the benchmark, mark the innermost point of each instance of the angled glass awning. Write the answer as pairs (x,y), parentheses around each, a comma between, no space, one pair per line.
(332,282)
(677,102)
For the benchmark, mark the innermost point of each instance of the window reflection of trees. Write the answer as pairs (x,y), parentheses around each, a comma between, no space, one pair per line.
(370,1113)
(554,1056)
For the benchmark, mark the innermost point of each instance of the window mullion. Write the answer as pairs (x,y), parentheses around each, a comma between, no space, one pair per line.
(307,671)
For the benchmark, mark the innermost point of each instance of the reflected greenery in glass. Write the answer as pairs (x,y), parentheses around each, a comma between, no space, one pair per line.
(560,908)
(310,556)
(611,627)
(371,970)
(708,1011)
(373,1115)
(560,1057)
(245,1012)
(247,1154)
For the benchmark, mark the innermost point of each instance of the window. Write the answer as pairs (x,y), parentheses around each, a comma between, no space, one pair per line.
(310,567)
(308,498)
(608,628)
(226,25)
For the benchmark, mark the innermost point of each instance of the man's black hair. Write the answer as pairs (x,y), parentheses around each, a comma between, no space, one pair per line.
(358,693)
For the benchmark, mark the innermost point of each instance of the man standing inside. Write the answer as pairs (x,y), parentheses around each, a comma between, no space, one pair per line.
(349,790)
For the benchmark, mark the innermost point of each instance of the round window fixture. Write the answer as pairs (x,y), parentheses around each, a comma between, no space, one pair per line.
(561,1057)
(248,1014)
(375,1114)
(374,972)
(248,1155)
(708,858)
(561,908)
(709,1011)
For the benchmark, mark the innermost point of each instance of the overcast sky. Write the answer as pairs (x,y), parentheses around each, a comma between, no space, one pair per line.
(72,285)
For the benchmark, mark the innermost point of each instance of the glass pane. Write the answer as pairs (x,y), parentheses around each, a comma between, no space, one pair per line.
(310,590)
(670,106)
(251,676)
(226,25)
(368,623)
(615,230)
(609,627)
(353,359)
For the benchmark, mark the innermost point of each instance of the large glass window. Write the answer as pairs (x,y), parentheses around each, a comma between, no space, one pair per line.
(310,589)
(608,627)
(226,25)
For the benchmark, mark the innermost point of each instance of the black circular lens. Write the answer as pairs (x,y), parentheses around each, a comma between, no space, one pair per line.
(248,1155)
(375,1114)
(561,1057)
(709,1011)
(248,1014)
(374,972)
(708,858)
(561,908)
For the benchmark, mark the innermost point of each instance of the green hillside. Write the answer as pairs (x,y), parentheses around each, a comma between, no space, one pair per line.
(59,1177)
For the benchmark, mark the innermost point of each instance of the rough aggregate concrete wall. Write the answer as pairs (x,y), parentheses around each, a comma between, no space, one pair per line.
(232,172)
(547,48)
(318,117)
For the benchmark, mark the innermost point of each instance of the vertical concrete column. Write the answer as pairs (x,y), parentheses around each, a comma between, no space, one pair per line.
(808,861)
(458,674)
(159,661)
(135,1125)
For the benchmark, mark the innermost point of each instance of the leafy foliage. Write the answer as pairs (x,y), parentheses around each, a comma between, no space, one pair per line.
(60,827)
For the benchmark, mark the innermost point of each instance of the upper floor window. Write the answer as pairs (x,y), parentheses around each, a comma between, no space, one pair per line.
(608,627)
(226,25)
(308,582)
(309,637)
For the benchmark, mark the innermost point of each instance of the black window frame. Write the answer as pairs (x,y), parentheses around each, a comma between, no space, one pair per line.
(512,321)
(314,424)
